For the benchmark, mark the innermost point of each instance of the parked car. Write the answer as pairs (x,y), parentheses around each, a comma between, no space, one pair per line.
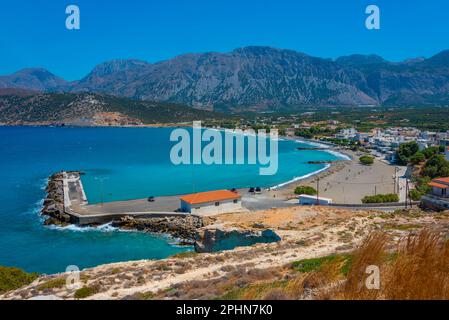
(251,190)
(151,199)
(233,190)
(258,190)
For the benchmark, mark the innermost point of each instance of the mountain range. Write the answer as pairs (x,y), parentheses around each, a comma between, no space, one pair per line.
(258,78)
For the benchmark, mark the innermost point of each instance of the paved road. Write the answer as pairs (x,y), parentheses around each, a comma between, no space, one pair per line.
(251,202)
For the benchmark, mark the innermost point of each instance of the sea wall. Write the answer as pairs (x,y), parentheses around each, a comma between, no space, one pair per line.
(53,209)
(218,239)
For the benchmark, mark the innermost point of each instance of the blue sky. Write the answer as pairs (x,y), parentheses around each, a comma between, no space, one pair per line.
(33,33)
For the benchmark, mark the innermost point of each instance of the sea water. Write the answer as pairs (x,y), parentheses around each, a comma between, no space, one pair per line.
(119,164)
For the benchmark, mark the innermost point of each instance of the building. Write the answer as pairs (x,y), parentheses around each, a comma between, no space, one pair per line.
(439,187)
(438,198)
(346,134)
(307,200)
(211,202)
(290,132)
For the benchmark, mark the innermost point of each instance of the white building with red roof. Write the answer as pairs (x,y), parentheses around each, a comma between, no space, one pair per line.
(438,198)
(211,202)
(440,187)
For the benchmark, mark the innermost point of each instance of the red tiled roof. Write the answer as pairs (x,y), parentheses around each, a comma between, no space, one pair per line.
(441,180)
(438,185)
(210,196)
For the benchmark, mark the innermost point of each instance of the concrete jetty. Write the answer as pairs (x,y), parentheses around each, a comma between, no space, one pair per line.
(72,202)
(75,204)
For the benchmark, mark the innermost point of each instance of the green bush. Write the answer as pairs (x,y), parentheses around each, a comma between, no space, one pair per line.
(430,151)
(366,160)
(436,166)
(405,152)
(305,190)
(381,198)
(85,292)
(417,158)
(52,284)
(14,278)
(315,264)
(415,195)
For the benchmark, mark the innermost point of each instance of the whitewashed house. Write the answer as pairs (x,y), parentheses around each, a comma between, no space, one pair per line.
(211,202)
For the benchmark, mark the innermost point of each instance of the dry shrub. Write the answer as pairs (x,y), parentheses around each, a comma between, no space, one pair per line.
(276,294)
(421,269)
(417,270)
(372,252)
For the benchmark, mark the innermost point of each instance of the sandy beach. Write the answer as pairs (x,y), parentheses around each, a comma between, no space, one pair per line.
(348,181)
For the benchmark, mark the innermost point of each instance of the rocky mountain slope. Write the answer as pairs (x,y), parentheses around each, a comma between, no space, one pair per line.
(33,79)
(257,78)
(25,107)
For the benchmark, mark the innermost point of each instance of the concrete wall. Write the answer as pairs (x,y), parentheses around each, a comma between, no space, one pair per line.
(106,218)
(309,201)
(210,207)
(439,192)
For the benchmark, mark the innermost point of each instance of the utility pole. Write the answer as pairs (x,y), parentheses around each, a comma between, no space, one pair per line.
(394,184)
(406,193)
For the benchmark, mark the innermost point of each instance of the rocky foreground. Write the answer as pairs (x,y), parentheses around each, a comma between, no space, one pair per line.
(188,229)
(244,272)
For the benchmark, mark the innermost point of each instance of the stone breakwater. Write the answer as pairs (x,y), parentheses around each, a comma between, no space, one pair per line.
(182,227)
(53,209)
(202,232)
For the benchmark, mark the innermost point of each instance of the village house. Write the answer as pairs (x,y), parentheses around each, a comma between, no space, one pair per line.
(438,198)
(211,202)
(440,187)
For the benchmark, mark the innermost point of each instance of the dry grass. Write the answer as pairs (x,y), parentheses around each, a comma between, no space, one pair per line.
(418,268)
(421,269)
(415,268)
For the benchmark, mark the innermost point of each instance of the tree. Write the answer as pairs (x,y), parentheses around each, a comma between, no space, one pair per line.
(406,151)
(417,158)
(436,166)
(366,160)
(430,151)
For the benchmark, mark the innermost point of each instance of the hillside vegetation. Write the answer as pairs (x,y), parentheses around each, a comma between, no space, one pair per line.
(92,109)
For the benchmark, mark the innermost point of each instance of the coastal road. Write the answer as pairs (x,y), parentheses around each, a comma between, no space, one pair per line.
(265,200)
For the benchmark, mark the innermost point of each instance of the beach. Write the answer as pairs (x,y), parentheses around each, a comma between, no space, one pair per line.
(348,181)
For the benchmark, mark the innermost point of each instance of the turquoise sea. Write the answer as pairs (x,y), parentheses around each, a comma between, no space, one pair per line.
(120,164)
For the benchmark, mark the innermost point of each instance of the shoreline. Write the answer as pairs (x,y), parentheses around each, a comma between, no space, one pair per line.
(56,125)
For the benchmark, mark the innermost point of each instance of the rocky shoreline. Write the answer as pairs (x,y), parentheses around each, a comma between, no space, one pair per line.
(193,230)
(182,227)
(199,232)
(212,239)
(53,209)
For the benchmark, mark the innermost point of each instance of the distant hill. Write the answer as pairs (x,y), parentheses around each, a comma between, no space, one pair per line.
(33,79)
(26,107)
(259,78)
